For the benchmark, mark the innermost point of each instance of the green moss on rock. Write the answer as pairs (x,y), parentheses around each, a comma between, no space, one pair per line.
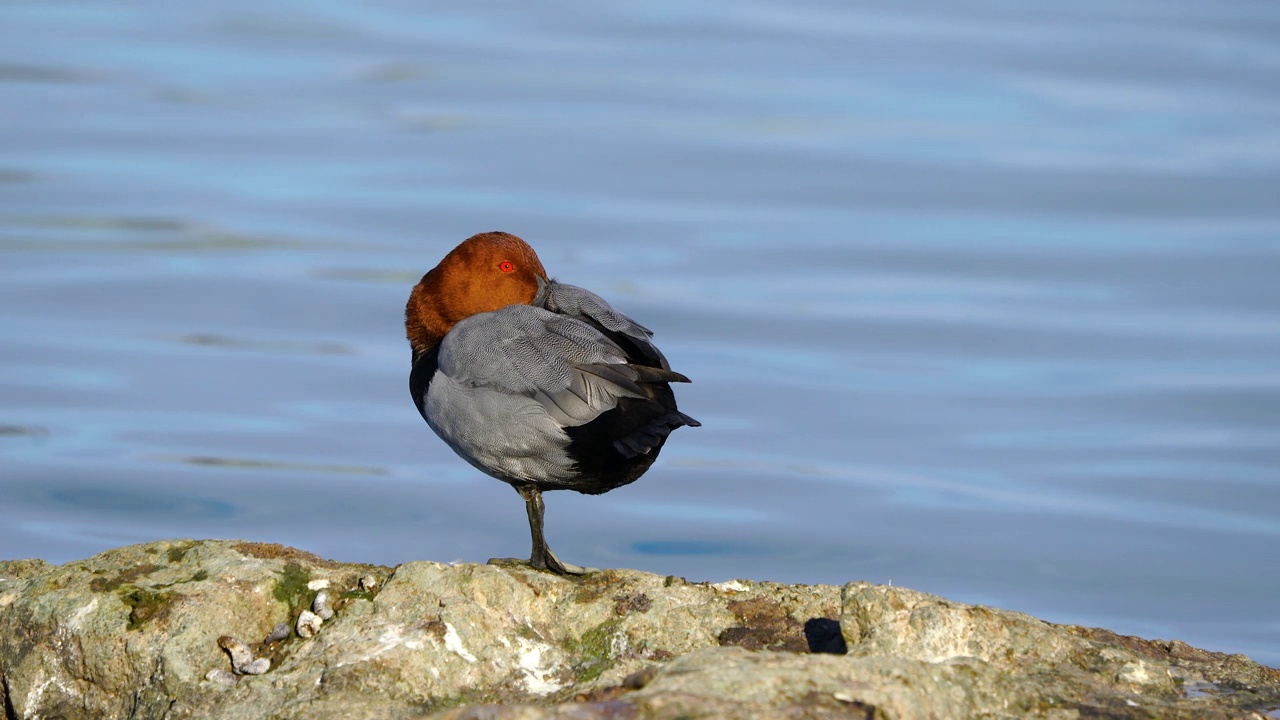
(291,587)
(594,650)
(179,551)
(146,605)
(357,594)
(124,577)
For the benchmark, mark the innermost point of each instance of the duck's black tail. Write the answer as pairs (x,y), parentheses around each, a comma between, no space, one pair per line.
(619,446)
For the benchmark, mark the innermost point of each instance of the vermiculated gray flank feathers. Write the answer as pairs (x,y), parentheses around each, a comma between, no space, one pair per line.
(535,373)
(584,305)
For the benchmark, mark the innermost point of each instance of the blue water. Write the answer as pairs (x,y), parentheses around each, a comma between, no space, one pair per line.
(978,297)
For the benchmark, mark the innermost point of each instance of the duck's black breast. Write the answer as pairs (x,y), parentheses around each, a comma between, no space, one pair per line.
(424,368)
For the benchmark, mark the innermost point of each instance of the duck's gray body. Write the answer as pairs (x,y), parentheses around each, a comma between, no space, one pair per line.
(565,393)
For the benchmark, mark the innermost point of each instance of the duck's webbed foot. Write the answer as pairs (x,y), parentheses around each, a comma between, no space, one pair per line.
(541,558)
(553,564)
(547,560)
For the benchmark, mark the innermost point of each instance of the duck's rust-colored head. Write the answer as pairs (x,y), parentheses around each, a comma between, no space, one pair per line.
(486,272)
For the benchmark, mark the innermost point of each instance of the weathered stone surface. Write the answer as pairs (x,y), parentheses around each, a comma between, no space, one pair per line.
(135,633)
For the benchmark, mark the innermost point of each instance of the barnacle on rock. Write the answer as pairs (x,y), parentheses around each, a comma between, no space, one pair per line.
(278,633)
(242,660)
(240,653)
(308,624)
(321,605)
(220,676)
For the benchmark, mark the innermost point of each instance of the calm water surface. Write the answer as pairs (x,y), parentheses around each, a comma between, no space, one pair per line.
(979,298)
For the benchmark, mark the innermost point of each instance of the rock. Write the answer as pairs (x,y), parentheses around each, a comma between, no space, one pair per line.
(134,633)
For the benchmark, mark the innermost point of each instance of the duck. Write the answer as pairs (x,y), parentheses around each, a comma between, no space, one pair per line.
(537,383)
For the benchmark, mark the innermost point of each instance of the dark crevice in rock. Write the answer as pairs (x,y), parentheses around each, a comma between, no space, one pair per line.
(824,636)
(9,712)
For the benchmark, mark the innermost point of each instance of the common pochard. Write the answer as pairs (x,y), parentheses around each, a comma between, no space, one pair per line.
(540,384)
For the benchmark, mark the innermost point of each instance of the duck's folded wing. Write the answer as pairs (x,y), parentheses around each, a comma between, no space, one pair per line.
(582,304)
(569,367)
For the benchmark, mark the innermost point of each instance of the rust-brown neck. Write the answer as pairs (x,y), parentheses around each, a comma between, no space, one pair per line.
(470,280)
(424,321)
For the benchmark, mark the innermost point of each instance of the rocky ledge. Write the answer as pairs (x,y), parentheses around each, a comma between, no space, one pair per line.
(215,629)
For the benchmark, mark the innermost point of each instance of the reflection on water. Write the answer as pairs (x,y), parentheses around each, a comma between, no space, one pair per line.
(138,504)
(132,235)
(694,547)
(978,298)
(22,430)
(271,465)
(232,343)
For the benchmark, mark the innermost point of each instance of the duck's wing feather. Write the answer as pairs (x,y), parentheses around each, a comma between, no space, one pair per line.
(584,305)
(571,368)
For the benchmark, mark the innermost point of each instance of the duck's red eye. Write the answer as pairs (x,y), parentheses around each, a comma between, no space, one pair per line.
(506,266)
